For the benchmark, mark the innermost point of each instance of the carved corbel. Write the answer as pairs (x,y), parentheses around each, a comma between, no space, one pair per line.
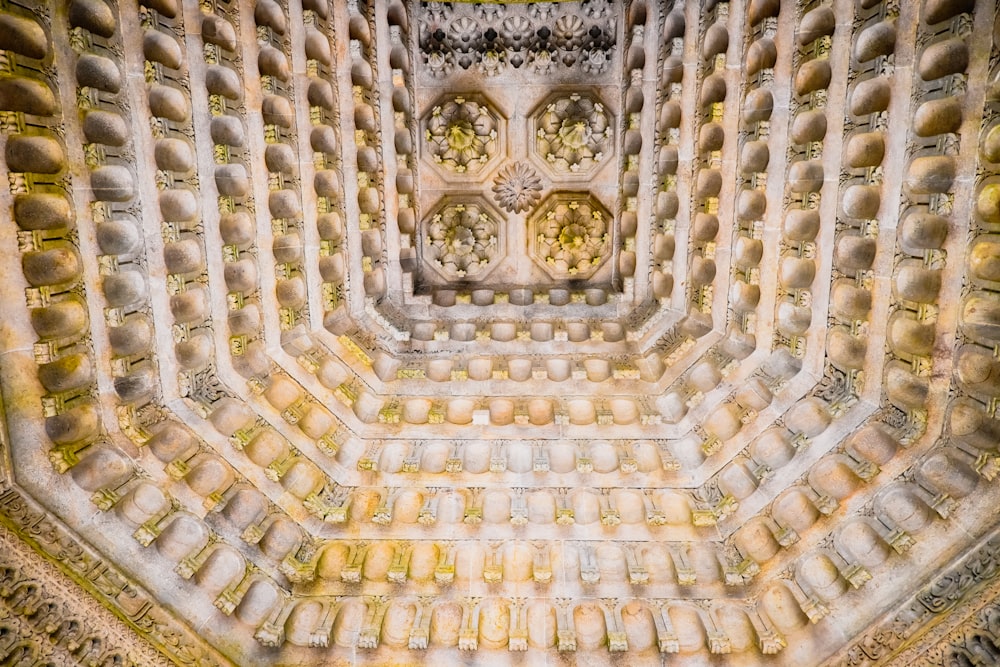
(685,573)
(855,573)
(617,641)
(734,576)
(493,571)
(108,497)
(498,457)
(412,461)
(428,512)
(565,515)
(336,504)
(825,504)
(351,573)
(320,635)
(468,638)
(400,563)
(540,462)
(584,464)
(383,513)
(277,468)
(637,573)
(718,641)
(588,564)
(232,595)
(272,632)
(541,565)
(444,573)
(518,625)
(420,632)
(193,562)
(474,506)
(369,460)
(626,462)
(518,508)
(65,456)
(768,639)
(565,630)
(454,462)
(371,630)
(786,535)
(666,637)
(812,606)
(152,527)
(609,513)
(318,505)
(300,566)
(654,515)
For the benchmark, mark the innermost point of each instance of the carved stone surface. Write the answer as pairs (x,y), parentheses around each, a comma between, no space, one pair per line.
(517,188)
(570,235)
(412,332)
(573,133)
(461,134)
(461,239)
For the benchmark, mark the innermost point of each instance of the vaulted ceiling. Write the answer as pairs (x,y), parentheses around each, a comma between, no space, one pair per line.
(584,332)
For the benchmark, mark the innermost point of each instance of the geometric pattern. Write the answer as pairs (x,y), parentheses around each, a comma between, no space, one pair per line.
(406,332)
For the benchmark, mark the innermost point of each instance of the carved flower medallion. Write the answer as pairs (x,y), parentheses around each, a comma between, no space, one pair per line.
(517,188)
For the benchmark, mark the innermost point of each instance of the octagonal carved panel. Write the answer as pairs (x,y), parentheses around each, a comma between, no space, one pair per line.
(570,235)
(463,134)
(573,133)
(462,238)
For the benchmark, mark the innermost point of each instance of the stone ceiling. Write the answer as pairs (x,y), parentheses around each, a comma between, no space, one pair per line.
(589,332)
